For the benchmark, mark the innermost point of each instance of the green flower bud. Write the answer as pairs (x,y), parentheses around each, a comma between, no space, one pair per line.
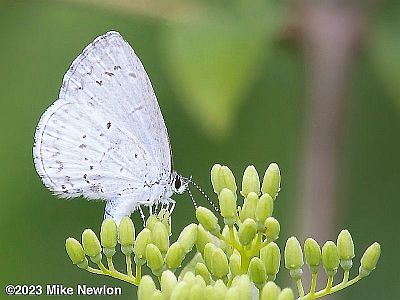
(272,228)
(215,178)
(257,272)
(74,251)
(83,264)
(270,291)
(370,259)
(232,293)
(209,250)
(244,286)
(108,233)
(247,231)
(108,237)
(225,246)
(126,232)
(227,235)
(188,237)
(228,249)
(345,247)
(142,240)
(197,291)
(293,254)
(227,179)
(189,278)
(219,263)
(181,291)
(207,219)
(91,245)
(265,207)
(160,237)
(312,253)
(174,256)
(286,294)
(146,288)
(165,218)
(235,264)
(203,237)
(271,256)
(154,259)
(272,181)
(151,221)
(227,203)
(202,270)
(220,290)
(250,182)
(235,280)
(199,280)
(157,295)
(209,293)
(168,283)
(330,258)
(249,207)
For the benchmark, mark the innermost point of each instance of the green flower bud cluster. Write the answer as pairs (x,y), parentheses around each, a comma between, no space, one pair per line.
(151,246)
(330,257)
(246,243)
(237,257)
(193,286)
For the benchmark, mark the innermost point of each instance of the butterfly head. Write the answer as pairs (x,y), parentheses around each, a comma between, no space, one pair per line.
(179,183)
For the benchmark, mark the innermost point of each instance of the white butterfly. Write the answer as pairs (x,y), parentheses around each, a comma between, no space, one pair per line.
(105,137)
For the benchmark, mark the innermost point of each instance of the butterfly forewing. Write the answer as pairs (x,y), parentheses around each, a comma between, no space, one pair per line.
(105,136)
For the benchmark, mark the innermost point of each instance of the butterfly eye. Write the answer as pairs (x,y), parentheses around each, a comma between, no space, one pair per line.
(177,183)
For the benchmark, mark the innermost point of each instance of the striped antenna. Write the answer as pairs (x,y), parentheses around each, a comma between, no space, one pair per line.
(204,194)
(191,197)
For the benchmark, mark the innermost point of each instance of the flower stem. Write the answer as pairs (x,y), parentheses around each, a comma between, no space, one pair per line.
(110,264)
(329,284)
(332,290)
(114,273)
(300,288)
(128,265)
(233,242)
(313,283)
(138,273)
(346,276)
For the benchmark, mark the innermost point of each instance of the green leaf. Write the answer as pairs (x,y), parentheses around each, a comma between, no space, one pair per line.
(212,62)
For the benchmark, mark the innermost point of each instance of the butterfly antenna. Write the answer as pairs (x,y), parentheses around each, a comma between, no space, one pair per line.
(191,197)
(204,194)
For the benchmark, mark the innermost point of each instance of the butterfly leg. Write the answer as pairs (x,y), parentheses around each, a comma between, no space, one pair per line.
(142,215)
(156,208)
(171,209)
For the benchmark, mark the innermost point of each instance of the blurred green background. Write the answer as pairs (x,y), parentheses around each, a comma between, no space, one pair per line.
(231,79)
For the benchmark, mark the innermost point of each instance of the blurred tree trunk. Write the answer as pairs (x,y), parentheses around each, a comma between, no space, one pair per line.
(330,33)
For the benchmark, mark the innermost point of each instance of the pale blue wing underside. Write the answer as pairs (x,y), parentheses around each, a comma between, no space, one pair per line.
(105,137)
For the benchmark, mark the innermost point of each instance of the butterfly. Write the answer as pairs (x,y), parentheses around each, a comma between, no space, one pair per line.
(105,137)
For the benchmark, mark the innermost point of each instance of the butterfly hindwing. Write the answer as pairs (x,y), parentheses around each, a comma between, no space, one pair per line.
(105,136)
